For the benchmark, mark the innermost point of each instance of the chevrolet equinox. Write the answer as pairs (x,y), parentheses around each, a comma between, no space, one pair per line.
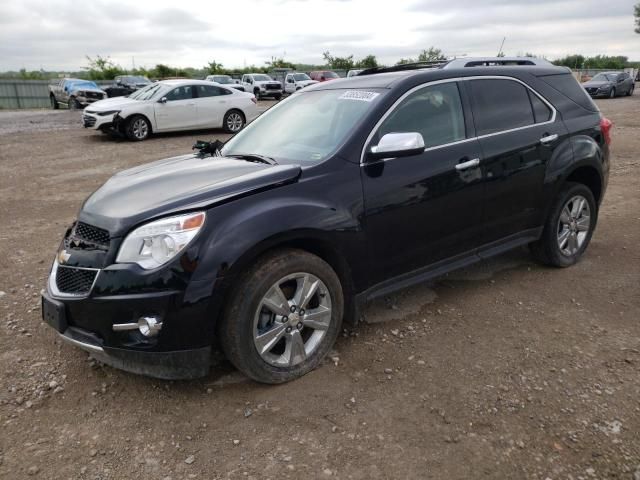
(345,191)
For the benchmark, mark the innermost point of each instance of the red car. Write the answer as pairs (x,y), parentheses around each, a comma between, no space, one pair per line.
(323,75)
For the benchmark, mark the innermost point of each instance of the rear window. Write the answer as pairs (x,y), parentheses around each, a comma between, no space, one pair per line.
(567,85)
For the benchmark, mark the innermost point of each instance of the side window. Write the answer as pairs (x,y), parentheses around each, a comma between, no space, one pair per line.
(180,93)
(541,111)
(500,105)
(210,91)
(434,111)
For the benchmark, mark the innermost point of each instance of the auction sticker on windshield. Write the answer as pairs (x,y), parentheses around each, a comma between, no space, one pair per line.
(361,95)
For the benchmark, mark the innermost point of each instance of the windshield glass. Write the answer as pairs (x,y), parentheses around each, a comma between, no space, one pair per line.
(604,77)
(221,79)
(262,78)
(305,128)
(82,84)
(147,92)
(330,75)
(301,77)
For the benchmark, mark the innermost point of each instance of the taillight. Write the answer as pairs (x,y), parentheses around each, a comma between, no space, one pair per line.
(605,128)
(253,99)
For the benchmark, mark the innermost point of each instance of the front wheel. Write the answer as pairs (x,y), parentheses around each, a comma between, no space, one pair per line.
(138,128)
(256,92)
(569,227)
(630,92)
(74,104)
(612,94)
(283,317)
(54,104)
(278,96)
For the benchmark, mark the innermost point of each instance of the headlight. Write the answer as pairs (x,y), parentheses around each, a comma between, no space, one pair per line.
(157,242)
(109,112)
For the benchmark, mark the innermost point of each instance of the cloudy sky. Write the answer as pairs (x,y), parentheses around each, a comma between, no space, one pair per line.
(58,34)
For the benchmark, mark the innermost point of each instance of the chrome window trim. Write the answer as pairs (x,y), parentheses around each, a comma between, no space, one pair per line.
(53,288)
(477,137)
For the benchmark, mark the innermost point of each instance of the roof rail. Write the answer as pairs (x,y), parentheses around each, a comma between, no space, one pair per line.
(405,66)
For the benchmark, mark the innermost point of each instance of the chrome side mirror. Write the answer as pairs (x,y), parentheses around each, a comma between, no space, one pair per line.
(397,145)
(163,100)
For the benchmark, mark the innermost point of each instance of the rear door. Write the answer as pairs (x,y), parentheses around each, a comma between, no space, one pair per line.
(427,207)
(179,111)
(212,103)
(519,132)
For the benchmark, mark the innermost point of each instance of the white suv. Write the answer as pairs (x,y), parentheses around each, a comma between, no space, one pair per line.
(262,85)
(295,81)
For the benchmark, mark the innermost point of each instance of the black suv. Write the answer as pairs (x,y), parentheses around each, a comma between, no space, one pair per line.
(343,192)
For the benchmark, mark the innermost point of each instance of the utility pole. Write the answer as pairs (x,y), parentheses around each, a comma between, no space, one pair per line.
(501,45)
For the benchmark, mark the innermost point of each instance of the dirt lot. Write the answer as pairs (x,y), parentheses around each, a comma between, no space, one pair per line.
(504,370)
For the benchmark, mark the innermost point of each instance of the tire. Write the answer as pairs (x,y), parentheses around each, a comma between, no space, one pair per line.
(54,104)
(612,94)
(562,224)
(289,348)
(233,121)
(631,89)
(137,128)
(256,92)
(278,96)
(74,104)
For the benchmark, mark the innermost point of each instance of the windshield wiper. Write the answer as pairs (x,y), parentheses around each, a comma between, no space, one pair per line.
(253,157)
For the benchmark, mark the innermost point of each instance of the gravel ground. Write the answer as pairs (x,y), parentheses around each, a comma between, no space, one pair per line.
(504,370)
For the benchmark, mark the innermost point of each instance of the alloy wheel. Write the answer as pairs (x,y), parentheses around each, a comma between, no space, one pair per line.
(140,129)
(573,225)
(234,122)
(291,320)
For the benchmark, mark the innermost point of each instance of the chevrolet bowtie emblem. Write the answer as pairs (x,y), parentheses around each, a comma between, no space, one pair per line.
(63,256)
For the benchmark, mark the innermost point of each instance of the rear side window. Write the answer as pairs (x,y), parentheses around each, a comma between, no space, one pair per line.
(211,91)
(541,111)
(500,105)
(434,111)
(566,84)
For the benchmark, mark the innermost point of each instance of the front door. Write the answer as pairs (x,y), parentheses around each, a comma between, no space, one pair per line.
(425,208)
(179,111)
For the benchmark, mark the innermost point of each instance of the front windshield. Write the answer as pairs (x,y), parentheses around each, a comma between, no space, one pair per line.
(225,80)
(301,77)
(82,84)
(147,92)
(604,77)
(306,128)
(262,78)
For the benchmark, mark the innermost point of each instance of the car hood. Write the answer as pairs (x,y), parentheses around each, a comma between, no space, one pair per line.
(115,103)
(595,84)
(86,89)
(177,184)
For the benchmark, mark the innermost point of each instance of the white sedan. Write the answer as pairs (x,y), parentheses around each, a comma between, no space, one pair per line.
(170,106)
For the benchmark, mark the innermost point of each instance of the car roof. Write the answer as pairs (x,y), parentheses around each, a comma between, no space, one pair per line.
(177,83)
(390,79)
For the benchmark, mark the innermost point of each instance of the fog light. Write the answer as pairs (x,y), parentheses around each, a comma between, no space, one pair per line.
(149,326)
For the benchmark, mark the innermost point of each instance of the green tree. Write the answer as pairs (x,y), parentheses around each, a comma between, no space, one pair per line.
(574,61)
(102,68)
(369,61)
(278,63)
(163,71)
(338,63)
(214,67)
(432,54)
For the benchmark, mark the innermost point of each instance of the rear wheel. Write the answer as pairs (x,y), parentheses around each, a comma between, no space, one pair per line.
(283,317)
(54,104)
(138,128)
(569,227)
(233,121)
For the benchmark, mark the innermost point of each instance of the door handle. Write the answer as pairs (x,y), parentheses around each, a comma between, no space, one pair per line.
(468,164)
(546,140)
